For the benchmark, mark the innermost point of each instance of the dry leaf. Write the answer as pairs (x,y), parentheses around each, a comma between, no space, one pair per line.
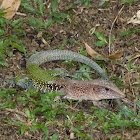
(138,14)
(1,2)
(71,135)
(91,52)
(116,55)
(134,57)
(135,19)
(12,6)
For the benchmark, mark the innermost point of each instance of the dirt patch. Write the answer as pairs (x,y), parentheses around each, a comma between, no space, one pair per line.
(78,27)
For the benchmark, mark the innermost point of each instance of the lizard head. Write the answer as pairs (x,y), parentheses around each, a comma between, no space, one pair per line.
(23,81)
(97,89)
(106,90)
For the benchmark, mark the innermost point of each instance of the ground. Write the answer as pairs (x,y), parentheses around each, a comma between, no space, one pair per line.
(78,27)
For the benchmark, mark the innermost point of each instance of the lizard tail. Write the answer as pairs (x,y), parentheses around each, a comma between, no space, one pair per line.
(52,55)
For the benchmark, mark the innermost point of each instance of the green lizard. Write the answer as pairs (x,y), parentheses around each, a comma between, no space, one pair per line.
(46,81)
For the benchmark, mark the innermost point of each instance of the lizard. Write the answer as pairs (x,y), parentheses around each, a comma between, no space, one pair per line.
(46,81)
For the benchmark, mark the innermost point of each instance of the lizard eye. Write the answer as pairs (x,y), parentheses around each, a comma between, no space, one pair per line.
(107,89)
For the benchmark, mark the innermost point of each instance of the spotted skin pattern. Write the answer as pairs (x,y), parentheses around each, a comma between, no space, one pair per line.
(45,87)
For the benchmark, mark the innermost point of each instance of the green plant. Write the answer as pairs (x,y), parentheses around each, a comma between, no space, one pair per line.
(116,120)
(10,33)
(67,41)
(74,122)
(46,105)
(103,3)
(127,1)
(6,94)
(130,32)
(131,67)
(80,2)
(86,2)
(102,39)
(56,16)
(38,9)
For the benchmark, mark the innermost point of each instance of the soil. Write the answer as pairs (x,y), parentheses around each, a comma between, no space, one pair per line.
(78,27)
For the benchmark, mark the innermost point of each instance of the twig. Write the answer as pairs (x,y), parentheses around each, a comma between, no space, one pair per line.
(112,27)
(69,120)
(127,102)
(16,111)
(130,104)
(21,14)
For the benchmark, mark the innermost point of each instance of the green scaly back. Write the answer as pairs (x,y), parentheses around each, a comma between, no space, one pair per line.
(42,79)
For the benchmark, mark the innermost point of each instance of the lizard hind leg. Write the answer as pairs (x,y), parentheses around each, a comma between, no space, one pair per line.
(23,81)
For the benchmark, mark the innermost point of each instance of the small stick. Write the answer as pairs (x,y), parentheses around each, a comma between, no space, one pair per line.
(112,27)
(16,111)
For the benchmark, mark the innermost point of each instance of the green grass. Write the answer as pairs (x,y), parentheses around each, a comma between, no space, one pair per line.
(50,109)
(10,34)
